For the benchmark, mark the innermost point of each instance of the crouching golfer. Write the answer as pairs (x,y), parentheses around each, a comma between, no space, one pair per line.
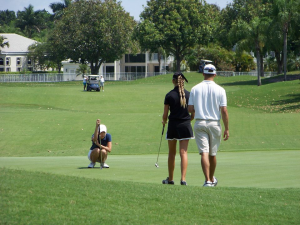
(100,147)
(179,126)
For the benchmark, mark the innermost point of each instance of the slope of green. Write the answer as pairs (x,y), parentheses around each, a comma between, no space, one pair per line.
(257,169)
(45,132)
(57,119)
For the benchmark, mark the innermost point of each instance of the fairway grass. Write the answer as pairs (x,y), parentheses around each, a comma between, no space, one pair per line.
(58,119)
(45,136)
(42,198)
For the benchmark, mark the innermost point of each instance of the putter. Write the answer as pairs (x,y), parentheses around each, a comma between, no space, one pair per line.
(100,149)
(156,164)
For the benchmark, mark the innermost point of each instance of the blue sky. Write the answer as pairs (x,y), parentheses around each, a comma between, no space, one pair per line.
(134,7)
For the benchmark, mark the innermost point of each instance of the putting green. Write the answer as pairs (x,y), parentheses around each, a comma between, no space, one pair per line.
(261,169)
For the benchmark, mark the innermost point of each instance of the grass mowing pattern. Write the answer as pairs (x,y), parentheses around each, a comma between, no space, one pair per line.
(257,169)
(57,119)
(40,198)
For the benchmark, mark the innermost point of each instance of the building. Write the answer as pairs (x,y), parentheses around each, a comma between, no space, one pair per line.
(14,58)
(130,67)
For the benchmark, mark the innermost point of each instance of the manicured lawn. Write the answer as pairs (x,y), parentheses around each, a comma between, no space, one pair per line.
(45,131)
(259,169)
(57,119)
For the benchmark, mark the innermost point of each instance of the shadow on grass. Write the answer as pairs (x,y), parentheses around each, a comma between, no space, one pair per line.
(280,78)
(264,81)
(293,102)
(239,83)
(81,168)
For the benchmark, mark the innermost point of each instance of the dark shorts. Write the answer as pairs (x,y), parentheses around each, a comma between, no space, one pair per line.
(180,130)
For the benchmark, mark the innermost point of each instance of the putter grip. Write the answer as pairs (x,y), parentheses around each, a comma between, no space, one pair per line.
(163,130)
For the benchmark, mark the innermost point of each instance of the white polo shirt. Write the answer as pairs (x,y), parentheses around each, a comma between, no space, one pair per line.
(207,97)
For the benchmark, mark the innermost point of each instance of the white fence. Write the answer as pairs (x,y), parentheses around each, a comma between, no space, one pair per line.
(128,76)
(49,77)
(43,77)
(252,73)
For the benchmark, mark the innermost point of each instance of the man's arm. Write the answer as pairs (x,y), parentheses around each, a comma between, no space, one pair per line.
(225,119)
(191,109)
(192,115)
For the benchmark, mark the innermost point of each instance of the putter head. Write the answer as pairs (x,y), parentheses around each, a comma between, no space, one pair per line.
(156,165)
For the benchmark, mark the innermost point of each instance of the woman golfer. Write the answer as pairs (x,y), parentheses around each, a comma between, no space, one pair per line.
(100,147)
(179,126)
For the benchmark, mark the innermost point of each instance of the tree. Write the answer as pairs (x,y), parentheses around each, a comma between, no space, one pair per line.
(248,31)
(27,22)
(244,61)
(286,12)
(175,26)
(214,18)
(227,16)
(221,57)
(8,21)
(31,22)
(55,51)
(58,8)
(83,69)
(47,54)
(274,43)
(94,31)
(6,17)
(3,43)
(37,53)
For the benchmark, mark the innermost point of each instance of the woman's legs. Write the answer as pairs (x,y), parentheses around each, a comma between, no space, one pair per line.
(94,156)
(171,159)
(183,145)
(103,156)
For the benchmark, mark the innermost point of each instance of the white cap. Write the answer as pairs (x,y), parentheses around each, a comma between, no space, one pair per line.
(209,69)
(102,128)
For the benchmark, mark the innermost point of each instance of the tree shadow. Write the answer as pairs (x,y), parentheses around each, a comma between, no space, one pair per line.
(293,99)
(239,83)
(264,81)
(280,78)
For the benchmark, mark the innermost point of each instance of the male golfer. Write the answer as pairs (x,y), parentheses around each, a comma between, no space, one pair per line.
(208,101)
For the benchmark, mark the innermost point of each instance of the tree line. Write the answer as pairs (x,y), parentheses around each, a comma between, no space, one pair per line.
(97,31)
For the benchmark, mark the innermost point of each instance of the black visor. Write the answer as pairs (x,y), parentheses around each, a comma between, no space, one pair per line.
(176,75)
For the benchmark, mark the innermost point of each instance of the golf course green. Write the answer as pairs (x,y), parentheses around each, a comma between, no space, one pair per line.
(45,136)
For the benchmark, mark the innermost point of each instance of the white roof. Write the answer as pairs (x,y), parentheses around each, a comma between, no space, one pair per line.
(17,44)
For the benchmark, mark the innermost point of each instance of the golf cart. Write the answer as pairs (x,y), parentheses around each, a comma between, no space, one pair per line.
(92,83)
(202,64)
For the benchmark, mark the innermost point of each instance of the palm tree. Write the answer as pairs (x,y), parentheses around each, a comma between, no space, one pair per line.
(286,12)
(275,40)
(2,43)
(27,21)
(249,32)
(251,37)
(58,8)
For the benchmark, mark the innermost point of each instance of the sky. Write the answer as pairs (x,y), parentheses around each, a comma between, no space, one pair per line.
(134,7)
